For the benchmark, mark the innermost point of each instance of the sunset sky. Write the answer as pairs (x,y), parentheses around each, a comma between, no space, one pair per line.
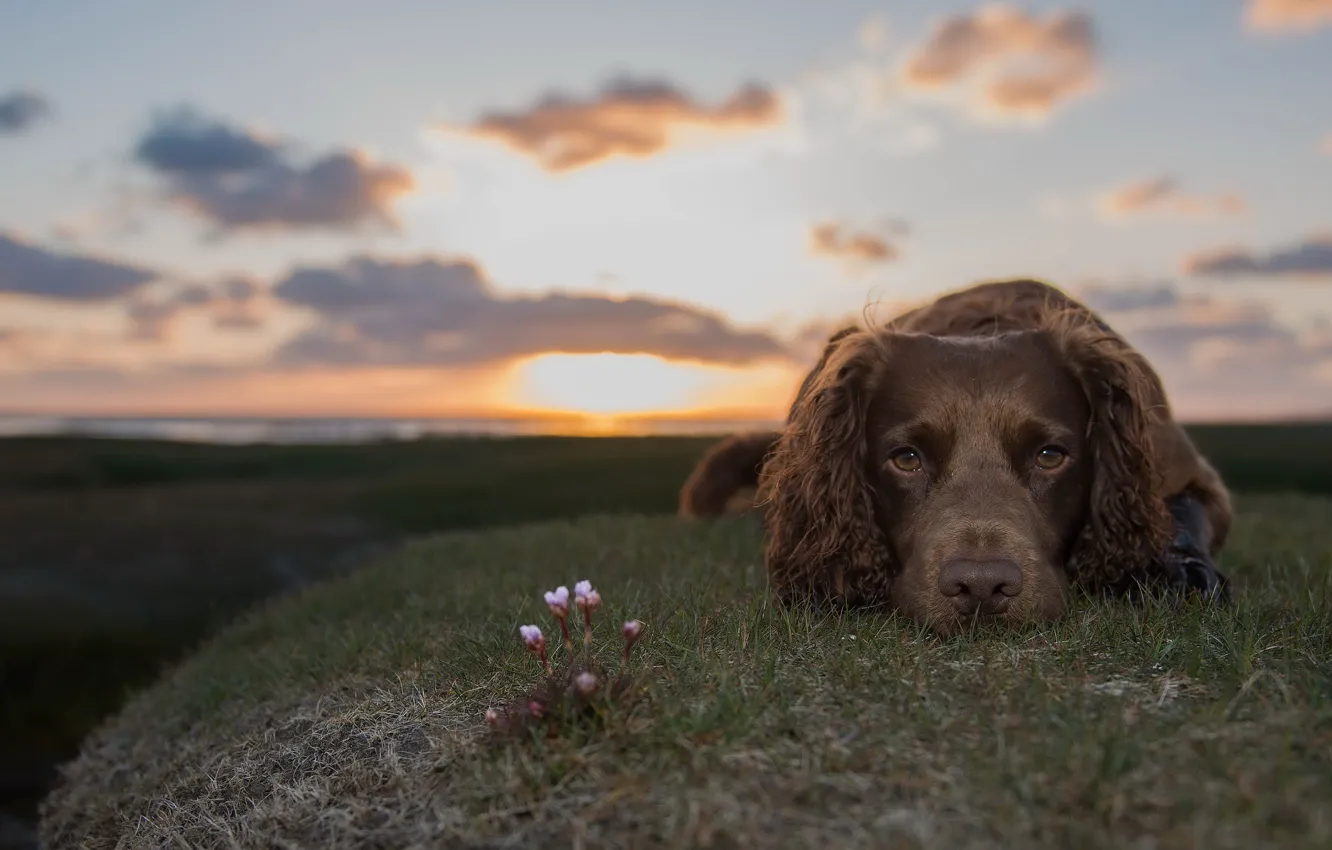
(290,208)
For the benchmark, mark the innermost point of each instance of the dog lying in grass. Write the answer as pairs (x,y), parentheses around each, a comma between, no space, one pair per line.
(978,457)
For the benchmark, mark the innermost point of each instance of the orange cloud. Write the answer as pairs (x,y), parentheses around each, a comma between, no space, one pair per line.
(1163,194)
(628,118)
(1287,15)
(1021,64)
(854,249)
(1327,144)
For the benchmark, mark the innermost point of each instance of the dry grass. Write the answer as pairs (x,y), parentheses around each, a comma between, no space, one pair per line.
(352,715)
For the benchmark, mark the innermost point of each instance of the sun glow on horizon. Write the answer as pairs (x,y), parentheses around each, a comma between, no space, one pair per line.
(609,385)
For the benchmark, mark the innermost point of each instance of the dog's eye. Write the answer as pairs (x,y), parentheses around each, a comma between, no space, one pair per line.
(907,460)
(1051,457)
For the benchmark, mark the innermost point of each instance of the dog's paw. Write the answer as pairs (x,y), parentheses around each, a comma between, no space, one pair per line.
(1188,566)
(1192,571)
(1184,570)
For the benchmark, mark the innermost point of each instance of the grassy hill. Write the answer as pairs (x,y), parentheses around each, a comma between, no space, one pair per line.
(351,715)
(120,555)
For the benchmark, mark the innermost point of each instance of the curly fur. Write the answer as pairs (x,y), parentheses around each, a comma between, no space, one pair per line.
(822,538)
(816,483)
(1128,525)
(726,471)
(733,466)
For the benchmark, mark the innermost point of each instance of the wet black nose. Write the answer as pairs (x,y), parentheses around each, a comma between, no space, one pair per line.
(980,585)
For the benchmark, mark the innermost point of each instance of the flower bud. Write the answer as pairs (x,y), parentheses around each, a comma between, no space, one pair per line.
(586,684)
(632,629)
(558,600)
(532,637)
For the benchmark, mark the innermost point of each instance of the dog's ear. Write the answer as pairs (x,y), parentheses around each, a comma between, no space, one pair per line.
(822,539)
(1128,524)
(726,469)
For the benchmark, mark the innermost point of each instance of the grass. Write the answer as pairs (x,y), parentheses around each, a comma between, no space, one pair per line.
(351,714)
(401,487)
(120,555)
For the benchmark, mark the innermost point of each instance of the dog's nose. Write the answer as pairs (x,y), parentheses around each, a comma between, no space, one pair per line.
(980,585)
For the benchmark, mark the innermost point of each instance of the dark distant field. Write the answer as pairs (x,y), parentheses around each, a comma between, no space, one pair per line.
(118,556)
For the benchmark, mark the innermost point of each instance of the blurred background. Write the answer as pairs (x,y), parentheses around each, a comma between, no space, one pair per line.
(284,283)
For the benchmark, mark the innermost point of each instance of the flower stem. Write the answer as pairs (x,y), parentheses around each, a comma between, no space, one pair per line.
(568,641)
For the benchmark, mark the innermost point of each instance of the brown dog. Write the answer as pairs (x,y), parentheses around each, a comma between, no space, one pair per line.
(977,458)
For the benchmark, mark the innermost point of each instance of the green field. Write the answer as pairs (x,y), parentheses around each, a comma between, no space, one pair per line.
(119,556)
(352,716)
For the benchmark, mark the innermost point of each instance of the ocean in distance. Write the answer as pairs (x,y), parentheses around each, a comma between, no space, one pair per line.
(311,430)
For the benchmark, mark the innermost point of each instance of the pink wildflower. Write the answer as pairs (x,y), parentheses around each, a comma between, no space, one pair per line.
(558,600)
(586,684)
(587,600)
(532,636)
(585,596)
(632,630)
(536,642)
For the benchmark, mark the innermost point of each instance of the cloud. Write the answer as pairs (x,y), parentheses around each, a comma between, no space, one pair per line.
(1017,64)
(1208,333)
(20,110)
(1169,324)
(1326,146)
(627,118)
(873,35)
(1107,298)
(232,304)
(1163,194)
(28,270)
(237,179)
(446,313)
(1311,258)
(13,343)
(1219,357)
(1214,352)
(183,143)
(1287,15)
(854,249)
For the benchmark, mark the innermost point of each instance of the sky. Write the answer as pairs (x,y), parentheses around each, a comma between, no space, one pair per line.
(517,208)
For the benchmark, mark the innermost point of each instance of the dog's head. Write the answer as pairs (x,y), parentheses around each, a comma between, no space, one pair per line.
(966,478)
